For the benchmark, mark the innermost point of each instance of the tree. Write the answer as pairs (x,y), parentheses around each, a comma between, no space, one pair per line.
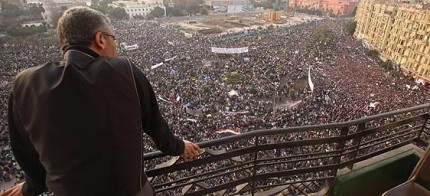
(9,23)
(354,11)
(233,77)
(10,10)
(191,6)
(174,11)
(373,53)
(193,9)
(312,11)
(309,47)
(330,13)
(117,12)
(324,34)
(387,65)
(26,31)
(203,12)
(105,2)
(100,7)
(95,2)
(157,12)
(264,4)
(350,27)
(138,17)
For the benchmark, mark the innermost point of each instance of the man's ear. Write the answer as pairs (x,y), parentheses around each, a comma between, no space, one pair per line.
(99,41)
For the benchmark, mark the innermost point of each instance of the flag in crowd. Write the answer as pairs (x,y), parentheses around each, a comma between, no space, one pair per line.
(311,84)
(157,65)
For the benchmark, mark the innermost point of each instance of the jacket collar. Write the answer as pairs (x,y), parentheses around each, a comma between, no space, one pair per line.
(83,49)
(78,55)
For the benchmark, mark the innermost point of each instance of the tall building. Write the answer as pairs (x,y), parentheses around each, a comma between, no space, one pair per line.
(55,8)
(400,32)
(153,3)
(169,3)
(274,15)
(229,6)
(139,8)
(338,7)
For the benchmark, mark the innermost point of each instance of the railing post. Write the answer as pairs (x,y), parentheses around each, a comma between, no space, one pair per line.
(422,128)
(341,146)
(254,172)
(338,159)
(356,141)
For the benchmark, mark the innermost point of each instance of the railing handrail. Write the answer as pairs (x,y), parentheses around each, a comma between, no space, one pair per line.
(204,144)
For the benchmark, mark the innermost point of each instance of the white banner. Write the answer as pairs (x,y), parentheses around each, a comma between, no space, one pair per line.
(192,120)
(132,47)
(239,112)
(235,132)
(195,112)
(229,50)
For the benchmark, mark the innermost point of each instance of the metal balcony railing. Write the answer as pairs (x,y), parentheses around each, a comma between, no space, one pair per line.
(295,161)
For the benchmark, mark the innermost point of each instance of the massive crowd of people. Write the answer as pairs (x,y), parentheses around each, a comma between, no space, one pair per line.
(348,84)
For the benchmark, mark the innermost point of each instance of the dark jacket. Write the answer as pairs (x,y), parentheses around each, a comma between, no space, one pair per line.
(78,125)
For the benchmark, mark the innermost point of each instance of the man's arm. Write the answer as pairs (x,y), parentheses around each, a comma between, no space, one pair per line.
(155,125)
(26,156)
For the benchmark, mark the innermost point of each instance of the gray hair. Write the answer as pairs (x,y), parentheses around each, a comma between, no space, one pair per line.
(78,25)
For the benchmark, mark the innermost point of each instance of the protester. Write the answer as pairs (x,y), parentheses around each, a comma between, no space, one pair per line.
(348,84)
(76,126)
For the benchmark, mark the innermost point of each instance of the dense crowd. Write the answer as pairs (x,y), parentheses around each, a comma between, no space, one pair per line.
(274,72)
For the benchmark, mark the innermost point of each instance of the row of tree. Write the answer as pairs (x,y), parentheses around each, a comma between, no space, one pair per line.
(26,31)
(32,12)
(12,17)
(157,12)
(114,12)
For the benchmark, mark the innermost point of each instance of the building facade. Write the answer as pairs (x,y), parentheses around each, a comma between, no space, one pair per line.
(55,8)
(229,6)
(337,7)
(139,8)
(400,32)
(274,15)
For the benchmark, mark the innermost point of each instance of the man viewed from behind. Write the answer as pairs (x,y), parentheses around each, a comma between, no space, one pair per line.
(75,125)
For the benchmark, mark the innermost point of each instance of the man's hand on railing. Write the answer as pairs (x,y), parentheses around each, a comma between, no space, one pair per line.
(191,151)
(14,191)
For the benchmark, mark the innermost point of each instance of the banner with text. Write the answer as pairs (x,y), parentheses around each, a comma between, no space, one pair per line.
(229,50)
